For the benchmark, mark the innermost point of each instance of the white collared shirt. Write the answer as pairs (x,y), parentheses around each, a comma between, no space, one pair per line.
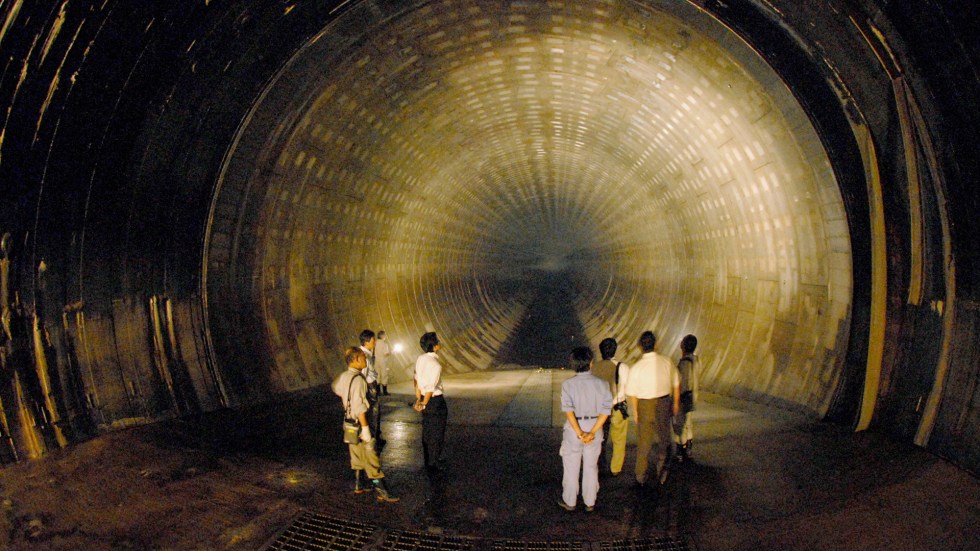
(653,376)
(624,377)
(370,373)
(428,374)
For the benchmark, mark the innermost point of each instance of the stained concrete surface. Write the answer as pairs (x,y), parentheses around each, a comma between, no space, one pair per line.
(760,479)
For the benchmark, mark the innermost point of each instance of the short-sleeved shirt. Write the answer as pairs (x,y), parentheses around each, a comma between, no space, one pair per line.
(370,373)
(652,377)
(588,396)
(606,370)
(428,374)
(352,381)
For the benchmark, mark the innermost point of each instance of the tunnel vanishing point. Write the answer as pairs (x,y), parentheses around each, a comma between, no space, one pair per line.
(203,202)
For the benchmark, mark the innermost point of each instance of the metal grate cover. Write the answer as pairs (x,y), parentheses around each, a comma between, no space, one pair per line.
(663,543)
(315,532)
(397,540)
(517,545)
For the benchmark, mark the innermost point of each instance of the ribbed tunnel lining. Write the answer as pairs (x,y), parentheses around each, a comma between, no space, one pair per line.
(425,168)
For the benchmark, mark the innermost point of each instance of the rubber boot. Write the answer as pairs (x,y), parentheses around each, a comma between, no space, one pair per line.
(381,490)
(360,485)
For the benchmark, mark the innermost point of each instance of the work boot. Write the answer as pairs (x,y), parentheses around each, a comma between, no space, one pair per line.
(384,390)
(359,482)
(381,490)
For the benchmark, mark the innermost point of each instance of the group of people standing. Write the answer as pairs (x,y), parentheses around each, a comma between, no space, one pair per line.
(360,389)
(660,396)
(654,392)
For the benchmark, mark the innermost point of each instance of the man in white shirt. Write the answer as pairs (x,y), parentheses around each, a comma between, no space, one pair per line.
(430,401)
(368,342)
(653,390)
(382,355)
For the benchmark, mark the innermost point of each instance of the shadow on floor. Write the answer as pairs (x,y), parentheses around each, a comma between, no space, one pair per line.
(550,328)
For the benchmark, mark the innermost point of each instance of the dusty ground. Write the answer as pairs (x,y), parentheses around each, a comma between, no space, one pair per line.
(232,480)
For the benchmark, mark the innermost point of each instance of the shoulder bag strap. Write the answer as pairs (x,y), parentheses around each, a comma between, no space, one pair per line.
(349,387)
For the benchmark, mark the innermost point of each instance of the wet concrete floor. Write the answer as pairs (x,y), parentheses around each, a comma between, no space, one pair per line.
(760,479)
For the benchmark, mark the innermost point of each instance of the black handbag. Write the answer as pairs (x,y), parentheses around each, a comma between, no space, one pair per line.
(687,401)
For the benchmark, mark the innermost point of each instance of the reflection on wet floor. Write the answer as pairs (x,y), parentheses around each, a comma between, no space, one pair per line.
(759,479)
(503,477)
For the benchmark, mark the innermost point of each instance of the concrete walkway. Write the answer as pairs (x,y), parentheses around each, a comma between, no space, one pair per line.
(760,479)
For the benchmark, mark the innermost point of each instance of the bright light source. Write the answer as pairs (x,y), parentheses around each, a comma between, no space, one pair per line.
(397,348)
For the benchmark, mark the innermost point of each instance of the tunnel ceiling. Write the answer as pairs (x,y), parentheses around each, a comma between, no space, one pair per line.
(420,169)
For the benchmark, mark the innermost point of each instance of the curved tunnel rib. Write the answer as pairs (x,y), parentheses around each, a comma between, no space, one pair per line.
(409,165)
(675,178)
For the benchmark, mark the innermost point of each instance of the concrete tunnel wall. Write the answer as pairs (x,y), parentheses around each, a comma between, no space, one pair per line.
(206,203)
(434,157)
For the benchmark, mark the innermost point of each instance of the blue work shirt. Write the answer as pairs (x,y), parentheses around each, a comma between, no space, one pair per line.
(588,396)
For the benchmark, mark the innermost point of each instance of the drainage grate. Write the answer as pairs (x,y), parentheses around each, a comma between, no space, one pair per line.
(398,540)
(516,545)
(312,532)
(663,543)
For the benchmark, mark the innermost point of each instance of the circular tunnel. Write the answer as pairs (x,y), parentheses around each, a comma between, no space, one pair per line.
(205,204)
(529,176)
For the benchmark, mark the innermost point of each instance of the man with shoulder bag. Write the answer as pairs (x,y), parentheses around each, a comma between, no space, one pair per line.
(368,343)
(615,373)
(351,387)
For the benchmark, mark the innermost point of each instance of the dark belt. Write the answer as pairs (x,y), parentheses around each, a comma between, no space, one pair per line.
(590,417)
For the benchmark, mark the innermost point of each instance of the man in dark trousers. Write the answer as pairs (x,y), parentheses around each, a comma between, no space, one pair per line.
(430,401)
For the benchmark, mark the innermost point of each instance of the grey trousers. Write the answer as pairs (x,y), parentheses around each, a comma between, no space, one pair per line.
(577,457)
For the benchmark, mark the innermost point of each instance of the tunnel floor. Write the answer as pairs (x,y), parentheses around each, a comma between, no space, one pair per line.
(760,479)
(550,323)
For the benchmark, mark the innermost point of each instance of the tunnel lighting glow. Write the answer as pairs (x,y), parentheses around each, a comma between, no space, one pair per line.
(626,161)
(397,348)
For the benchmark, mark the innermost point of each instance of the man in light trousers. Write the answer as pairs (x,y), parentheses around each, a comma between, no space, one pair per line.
(586,401)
